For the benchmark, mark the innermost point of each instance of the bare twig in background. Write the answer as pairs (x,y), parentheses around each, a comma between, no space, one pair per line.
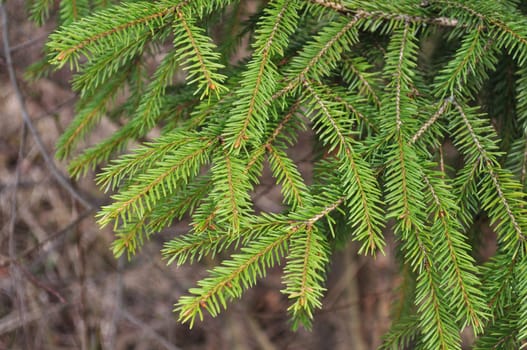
(28,43)
(61,179)
(69,101)
(109,328)
(31,278)
(12,321)
(40,246)
(14,269)
(261,338)
(83,306)
(149,331)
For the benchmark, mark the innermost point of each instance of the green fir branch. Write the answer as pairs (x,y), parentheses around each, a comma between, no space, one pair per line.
(500,195)
(231,188)
(196,53)
(95,35)
(361,188)
(304,274)
(73,10)
(227,281)
(147,188)
(521,286)
(90,110)
(401,335)
(259,83)
(468,70)
(287,175)
(459,269)
(360,76)
(320,56)
(402,103)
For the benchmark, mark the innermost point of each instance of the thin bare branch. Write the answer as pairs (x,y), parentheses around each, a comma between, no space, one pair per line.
(149,331)
(59,177)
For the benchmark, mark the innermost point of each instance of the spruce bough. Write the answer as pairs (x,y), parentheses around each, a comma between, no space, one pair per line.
(384,86)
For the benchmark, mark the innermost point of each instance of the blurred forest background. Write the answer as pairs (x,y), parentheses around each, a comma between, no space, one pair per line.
(61,288)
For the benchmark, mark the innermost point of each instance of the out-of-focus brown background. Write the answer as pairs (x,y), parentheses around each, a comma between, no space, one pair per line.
(61,288)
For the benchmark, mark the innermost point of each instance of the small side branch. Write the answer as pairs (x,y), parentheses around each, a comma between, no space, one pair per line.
(429,122)
(440,21)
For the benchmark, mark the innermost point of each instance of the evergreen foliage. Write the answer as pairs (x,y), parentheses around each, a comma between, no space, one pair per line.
(384,85)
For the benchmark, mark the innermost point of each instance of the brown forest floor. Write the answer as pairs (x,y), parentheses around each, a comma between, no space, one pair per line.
(61,288)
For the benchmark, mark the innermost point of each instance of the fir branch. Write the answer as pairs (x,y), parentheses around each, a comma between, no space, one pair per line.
(351,105)
(228,280)
(144,157)
(320,56)
(134,129)
(90,110)
(442,110)
(149,109)
(517,157)
(382,110)
(438,327)
(523,173)
(184,202)
(500,287)
(196,53)
(250,111)
(304,275)
(103,150)
(148,187)
(355,105)
(355,74)
(200,243)
(117,62)
(39,10)
(231,188)
(387,16)
(96,33)
(501,334)
(507,25)
(284,170)
(193,247)
(499,291)
(73,10)
(404,191)
(129,237)
(402,334)
(363,195)
(278,131)
(405,196)
(452,253)
(465,184)
(498,185)
(398,80)
(469,68)
(204,218)
(520,273)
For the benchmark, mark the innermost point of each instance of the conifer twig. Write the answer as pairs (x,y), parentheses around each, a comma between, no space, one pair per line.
(429,122)
(441,21)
